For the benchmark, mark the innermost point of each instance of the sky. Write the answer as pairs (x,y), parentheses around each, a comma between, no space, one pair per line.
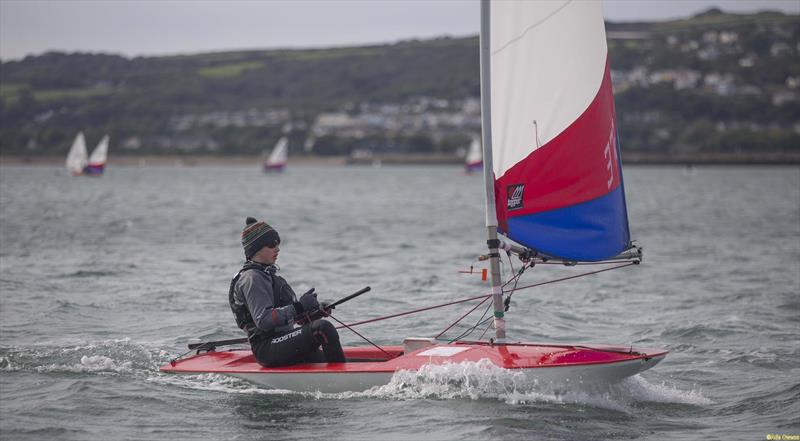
(168,27)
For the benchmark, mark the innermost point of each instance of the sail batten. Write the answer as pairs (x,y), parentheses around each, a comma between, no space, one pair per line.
(555,154)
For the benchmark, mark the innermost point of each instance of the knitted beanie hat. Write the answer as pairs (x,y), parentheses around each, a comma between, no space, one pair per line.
(256,235)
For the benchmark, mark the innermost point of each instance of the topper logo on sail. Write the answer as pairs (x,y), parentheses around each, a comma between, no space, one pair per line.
(515,193)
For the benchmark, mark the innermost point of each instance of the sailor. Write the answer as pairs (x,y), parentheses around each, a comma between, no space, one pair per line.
(267,309)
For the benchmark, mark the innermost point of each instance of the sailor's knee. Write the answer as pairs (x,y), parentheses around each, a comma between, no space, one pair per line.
(326,328)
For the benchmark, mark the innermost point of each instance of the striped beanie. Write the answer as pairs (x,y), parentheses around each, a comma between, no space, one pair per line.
(256,235)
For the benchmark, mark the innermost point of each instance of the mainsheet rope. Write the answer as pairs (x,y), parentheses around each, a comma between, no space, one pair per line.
(358,334)
(416,311)
(483,297)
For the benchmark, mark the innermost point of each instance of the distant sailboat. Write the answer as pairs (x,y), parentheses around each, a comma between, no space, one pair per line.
(77,158)
(474,162)
(97,161)
(277,160)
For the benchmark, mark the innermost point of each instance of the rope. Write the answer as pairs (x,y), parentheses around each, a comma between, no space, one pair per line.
(365,338)
(413,312)
(511,292)
(605,262)
(484,297)
(481,321)
(572,277)
(462,317)
(484,331)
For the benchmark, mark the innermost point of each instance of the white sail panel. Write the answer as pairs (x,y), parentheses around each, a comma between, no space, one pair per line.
(279,153)
(475,154)
(77,158)
(100,153)
(547,62)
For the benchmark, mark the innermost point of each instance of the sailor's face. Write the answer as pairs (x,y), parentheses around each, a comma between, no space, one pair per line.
(270,255)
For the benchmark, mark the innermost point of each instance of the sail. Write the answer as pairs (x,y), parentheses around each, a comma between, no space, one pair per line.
(77,158)
(555,154)
(277,159)
(97,161)
(474,158)
(100,154)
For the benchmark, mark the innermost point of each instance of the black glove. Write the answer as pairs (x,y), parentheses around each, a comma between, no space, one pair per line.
(308,302)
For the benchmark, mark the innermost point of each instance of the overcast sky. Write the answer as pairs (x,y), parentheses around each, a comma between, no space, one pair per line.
(161,27)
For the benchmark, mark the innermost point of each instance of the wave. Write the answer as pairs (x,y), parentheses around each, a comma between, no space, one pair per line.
(67,306)
(109,357)
(85,274)
(214,383)
(471,381)
(484,380)
(643,391)
(455,381)
(696,332)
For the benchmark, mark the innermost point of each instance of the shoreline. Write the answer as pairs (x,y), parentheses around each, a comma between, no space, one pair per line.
(169,160)
(630,158)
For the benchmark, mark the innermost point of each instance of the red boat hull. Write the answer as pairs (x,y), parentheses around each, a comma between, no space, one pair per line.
(368,367)
(273,168)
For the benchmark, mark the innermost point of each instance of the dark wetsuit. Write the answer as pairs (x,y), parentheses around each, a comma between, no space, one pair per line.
(265,307)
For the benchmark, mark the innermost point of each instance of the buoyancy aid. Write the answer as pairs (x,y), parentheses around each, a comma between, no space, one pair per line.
(282,293)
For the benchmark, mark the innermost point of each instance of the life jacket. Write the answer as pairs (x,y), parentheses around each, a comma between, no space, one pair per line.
(282,292)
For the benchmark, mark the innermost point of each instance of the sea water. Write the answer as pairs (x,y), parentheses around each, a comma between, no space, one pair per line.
(102,280)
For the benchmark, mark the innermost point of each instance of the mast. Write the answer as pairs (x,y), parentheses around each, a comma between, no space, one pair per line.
(488,173)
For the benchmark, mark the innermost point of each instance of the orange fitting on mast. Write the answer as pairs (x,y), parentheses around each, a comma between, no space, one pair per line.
(484,274)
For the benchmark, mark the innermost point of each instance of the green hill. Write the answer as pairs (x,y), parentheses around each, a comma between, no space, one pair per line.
(713,83)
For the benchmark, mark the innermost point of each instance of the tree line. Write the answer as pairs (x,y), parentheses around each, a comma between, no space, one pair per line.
(46,99)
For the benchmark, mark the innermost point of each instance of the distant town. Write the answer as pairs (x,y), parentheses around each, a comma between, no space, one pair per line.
(713,86)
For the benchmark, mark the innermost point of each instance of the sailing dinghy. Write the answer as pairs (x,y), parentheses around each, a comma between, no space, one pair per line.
(474,160)
(553,187)
(277,159)
(97,161)
(78,157)
(80,163)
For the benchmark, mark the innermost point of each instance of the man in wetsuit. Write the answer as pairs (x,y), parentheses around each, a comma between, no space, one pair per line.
(267,309)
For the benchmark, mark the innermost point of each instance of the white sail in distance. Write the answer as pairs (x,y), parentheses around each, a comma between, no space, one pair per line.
(100,154)
(77,158)
(279,153)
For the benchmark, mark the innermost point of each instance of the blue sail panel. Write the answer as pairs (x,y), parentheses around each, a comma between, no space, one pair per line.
(590,231)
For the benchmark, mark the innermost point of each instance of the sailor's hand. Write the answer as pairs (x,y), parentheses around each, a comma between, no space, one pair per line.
(309,301)
(324,310)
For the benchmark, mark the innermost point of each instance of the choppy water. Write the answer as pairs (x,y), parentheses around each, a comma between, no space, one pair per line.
(103,280)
